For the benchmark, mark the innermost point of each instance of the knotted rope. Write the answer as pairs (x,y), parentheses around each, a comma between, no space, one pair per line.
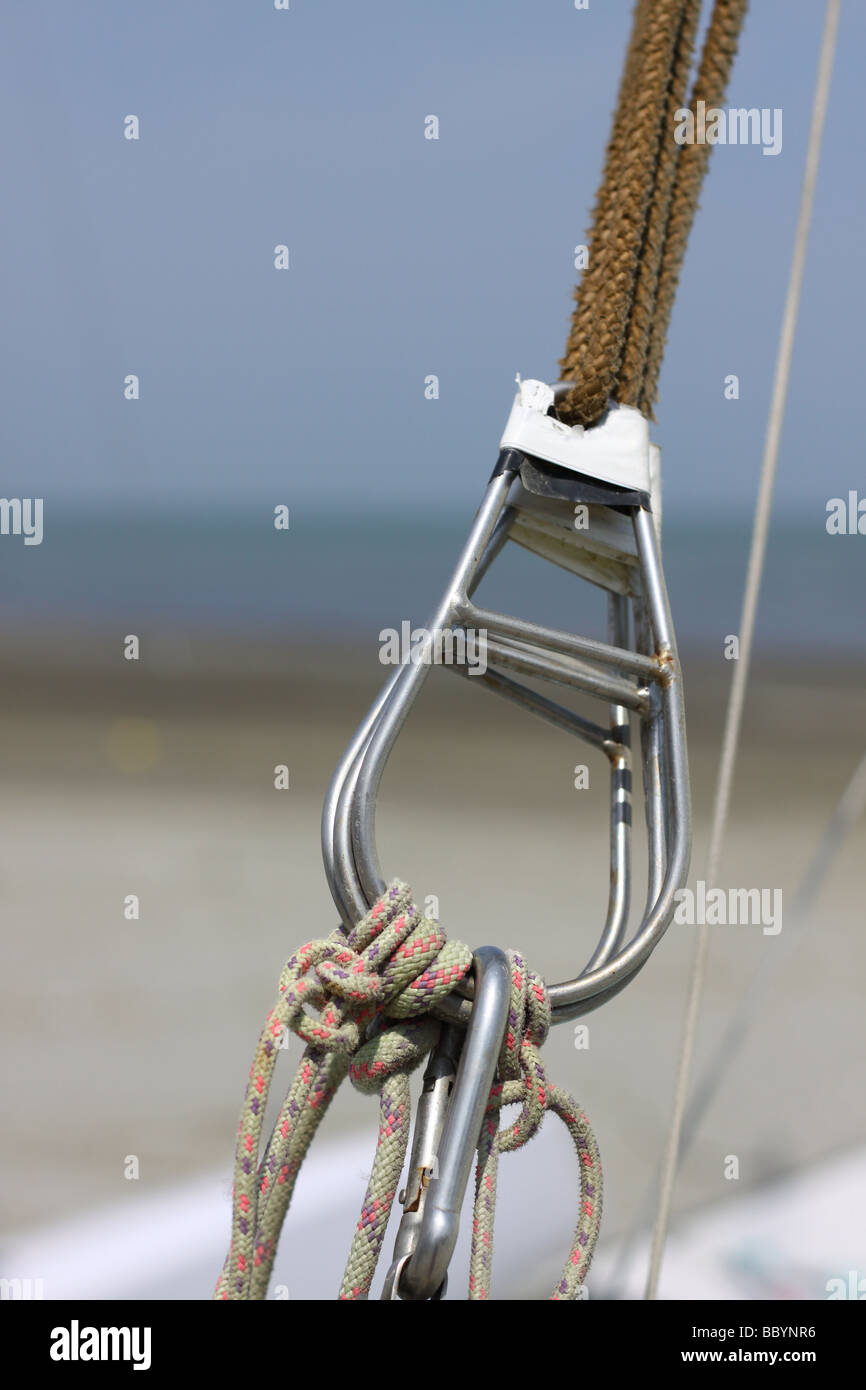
(374,991)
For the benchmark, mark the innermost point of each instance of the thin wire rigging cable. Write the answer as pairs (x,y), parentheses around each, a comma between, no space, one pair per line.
(733,718)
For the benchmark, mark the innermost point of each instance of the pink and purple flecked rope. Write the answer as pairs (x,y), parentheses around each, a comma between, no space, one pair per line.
(373,991)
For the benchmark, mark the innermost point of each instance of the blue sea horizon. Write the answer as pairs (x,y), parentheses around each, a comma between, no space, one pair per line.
(352,576)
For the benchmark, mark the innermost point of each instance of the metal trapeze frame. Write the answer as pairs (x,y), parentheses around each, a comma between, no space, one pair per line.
(641,677)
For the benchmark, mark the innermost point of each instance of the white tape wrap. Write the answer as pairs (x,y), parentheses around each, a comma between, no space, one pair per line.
(618,450)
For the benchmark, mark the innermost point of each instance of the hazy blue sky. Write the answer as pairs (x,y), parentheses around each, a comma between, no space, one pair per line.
(409,256)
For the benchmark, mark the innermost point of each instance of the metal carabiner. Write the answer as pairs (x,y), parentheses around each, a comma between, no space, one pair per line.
(456,1088)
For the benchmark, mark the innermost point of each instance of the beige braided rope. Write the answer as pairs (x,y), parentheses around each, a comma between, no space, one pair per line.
(524,1081)
(394,960)
(385,1068)
(614,260)
(711,84)
(604,212)
(644,210)
(374,991)
(638,335)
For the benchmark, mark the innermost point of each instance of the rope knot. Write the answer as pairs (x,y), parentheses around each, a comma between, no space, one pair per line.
(521,1069)
(346,976)
(397,1048)
(361,1003)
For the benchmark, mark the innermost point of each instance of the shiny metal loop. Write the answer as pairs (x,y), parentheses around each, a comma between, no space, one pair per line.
(637,679)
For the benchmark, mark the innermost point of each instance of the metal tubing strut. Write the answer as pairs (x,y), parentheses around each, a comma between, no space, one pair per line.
(351,859)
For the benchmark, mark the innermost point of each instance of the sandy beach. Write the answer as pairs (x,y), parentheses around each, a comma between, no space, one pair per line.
(132,1037)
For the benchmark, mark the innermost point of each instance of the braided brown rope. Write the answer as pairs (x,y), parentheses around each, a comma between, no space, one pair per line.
(614,261)
(711,84)
(640,324)
(603,217)
(644,209)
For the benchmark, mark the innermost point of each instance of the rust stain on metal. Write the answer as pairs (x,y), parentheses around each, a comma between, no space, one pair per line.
(617,752)
(667,666)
